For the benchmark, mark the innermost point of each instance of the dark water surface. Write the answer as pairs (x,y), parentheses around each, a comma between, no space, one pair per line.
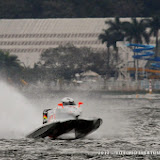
(130,130)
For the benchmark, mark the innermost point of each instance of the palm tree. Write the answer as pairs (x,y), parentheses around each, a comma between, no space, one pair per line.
(110,39)
(115,29)
(115,26)
(135,32)
(154,25)
(106,37)
(111,35)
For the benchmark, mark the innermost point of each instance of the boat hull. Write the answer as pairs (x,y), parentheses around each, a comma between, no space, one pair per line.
(80,127)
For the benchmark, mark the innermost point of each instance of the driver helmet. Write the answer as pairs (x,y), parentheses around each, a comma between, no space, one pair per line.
(68,101)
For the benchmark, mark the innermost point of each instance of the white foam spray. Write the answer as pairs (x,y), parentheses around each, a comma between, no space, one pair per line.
(17,115)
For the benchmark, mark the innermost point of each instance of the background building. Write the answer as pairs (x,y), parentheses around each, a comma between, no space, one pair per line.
(28,38)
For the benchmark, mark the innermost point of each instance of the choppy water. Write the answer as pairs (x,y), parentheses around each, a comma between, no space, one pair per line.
(129,127)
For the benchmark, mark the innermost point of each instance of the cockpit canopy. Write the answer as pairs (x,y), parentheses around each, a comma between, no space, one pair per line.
(68,101)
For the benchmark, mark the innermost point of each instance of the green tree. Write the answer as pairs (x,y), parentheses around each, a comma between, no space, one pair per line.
(111,35)
(154,25)
(78,9)
(135,31)
(128,8)
(64,62)
(116,33)
(9,64)
(106,37)
(110,40)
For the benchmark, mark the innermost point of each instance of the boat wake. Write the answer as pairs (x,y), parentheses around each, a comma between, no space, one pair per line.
(18,116)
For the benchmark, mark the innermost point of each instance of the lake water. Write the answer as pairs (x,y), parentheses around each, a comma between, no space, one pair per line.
(130,129)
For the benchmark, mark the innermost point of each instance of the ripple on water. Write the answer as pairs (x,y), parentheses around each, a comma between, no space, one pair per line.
(128,125)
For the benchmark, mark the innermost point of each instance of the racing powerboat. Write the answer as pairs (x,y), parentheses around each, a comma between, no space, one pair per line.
(65,122)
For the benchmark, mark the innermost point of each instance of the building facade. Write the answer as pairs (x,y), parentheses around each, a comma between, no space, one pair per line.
(28,38)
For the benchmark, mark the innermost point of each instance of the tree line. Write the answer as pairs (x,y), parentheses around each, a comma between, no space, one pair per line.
(61,63)
(78,8)
(64,62)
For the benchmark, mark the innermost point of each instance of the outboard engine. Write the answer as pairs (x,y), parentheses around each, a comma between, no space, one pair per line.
(47,115)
